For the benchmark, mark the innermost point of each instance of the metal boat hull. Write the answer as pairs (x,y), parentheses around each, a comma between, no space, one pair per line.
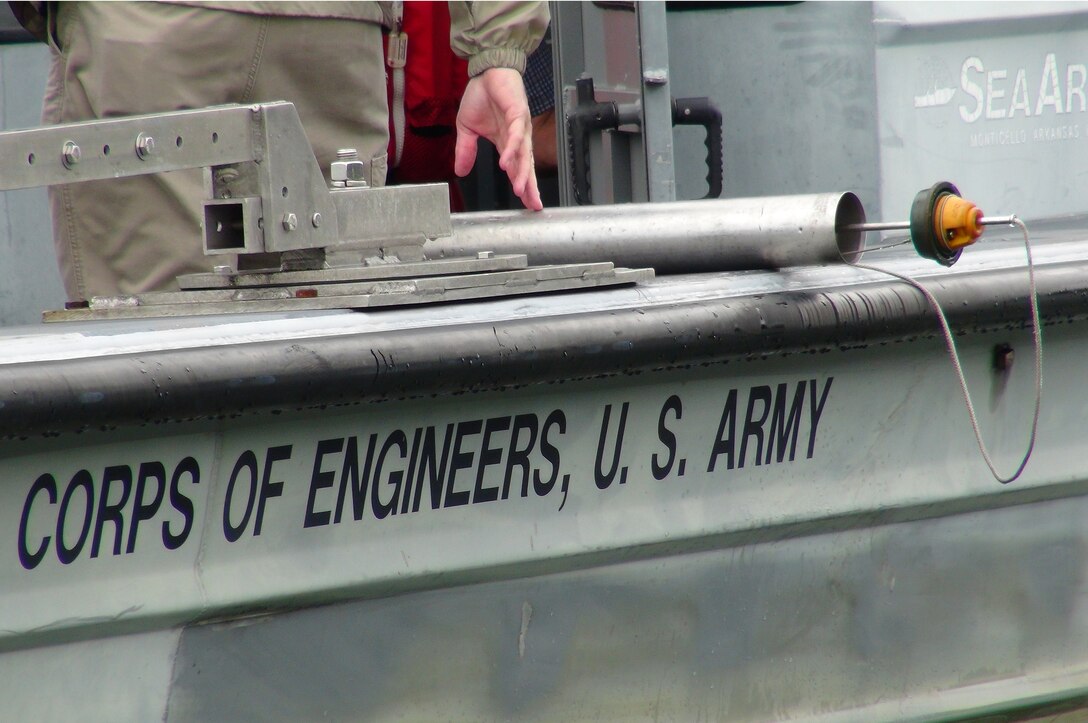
(434,512)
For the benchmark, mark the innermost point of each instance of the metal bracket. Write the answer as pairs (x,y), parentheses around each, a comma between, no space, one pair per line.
(268,202)
(266,193)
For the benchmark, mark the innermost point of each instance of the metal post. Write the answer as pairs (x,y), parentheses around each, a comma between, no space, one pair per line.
(657,154)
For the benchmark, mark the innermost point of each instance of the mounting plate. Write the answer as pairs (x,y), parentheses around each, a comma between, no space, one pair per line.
(359,287)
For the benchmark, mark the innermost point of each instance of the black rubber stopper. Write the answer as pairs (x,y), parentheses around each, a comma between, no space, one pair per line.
(926,241)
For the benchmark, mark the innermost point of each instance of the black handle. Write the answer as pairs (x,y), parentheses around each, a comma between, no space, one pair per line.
(587,115)
(702,112)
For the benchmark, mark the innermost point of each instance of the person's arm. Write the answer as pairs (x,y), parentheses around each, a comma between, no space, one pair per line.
(496,37)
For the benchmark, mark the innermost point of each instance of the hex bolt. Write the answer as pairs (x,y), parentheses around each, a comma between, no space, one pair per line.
(145,146)
(70,154)
(290,222)
(655,77)
(316,220)
(223,270)
(485,255)
(348,170)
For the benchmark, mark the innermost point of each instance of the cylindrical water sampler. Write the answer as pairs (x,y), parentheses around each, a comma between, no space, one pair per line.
(685,236)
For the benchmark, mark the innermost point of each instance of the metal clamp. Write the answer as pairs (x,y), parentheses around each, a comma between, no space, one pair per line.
(261,177)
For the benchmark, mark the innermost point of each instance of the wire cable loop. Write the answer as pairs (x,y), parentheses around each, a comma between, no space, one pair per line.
(950,343)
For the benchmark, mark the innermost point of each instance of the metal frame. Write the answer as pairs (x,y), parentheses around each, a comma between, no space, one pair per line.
(259,173)
(268,201)
(623,47)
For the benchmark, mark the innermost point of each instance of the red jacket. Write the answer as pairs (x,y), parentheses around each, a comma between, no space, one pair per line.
(432,81)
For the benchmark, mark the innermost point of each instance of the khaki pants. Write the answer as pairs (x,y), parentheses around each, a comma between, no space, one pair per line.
(113,59)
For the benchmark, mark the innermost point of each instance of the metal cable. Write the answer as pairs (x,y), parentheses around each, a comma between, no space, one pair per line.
(950,343)
(867,249)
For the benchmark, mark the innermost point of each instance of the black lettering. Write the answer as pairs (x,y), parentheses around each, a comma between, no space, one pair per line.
(29,560)
(551,453)
(602,478)
(460,460)
(816,412)
(81,479)
(409,478)
(434,468)
(143,511)
(183,504)
(112,512)
(350,477)
(785,428)
(519,456)
(384,509)
(728,423)
(661,470)
(753,427)
(320,480)
(269,488)
(248,460)
(489,456)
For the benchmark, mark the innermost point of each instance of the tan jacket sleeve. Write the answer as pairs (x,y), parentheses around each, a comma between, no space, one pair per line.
(496,34)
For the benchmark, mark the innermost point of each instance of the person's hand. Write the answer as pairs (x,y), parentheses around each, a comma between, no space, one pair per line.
(495,107)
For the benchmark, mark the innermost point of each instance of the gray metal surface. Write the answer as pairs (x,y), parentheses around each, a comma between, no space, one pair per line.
(878,574)
(684,236)
(354,295)
(797,89)
(838,620)
(993,93)
(883,98)
(29,279)
(85,377)
(846,557)
(727,496)
(392,215)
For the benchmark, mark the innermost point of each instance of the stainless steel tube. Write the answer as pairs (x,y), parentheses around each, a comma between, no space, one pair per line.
(685,236)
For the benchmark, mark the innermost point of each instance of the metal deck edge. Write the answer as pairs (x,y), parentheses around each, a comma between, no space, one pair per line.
(147,388)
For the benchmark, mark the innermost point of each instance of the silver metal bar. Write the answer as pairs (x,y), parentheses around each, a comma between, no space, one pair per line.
(101,149)
(399,270)
(262,148)
(567,64)
(656,110)
(905,225)
(683,236)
